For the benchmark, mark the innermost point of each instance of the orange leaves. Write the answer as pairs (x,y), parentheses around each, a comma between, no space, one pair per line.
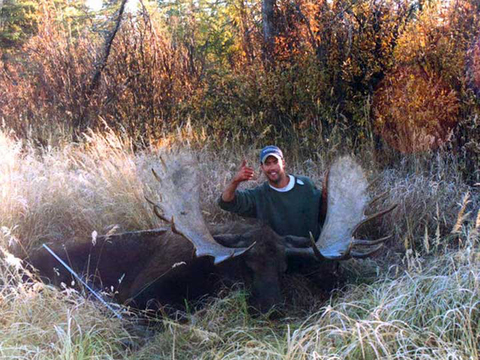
(438,39)
(415,110)
(417,105)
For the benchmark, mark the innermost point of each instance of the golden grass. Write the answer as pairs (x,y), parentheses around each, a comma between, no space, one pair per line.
(461,214)
(41,322)
(400,306)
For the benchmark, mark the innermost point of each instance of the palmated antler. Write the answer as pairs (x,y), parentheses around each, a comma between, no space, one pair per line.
(347,200)
(180,206)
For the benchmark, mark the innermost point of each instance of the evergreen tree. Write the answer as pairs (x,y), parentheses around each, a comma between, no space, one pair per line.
(18,20)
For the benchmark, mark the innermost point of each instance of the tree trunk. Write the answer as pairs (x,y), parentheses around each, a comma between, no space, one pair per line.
(106,51)
(268,29)
(81,123)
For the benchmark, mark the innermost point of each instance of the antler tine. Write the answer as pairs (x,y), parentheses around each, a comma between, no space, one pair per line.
(164,164)
(379,197)
(316,252)
(361,255)
(374,216)
(150,201)
(370,242)
(369,250)
(157,210)
(157,177)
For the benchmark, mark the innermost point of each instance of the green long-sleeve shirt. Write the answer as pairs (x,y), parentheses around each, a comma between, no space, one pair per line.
(295,212)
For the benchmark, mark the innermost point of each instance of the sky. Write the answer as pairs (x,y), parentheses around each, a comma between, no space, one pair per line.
(96,5)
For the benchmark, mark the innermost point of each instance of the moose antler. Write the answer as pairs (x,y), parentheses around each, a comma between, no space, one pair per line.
(347,200)
(180,206)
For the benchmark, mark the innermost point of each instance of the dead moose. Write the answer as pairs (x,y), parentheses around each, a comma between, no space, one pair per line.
(167,265)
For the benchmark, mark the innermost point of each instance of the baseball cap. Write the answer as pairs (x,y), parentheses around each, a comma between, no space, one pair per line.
(270,150)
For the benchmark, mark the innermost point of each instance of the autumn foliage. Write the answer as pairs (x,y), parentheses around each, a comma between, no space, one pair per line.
(473,67)
(378,73)
(415,111)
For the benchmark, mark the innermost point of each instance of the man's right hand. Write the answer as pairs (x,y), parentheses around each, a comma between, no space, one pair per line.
(245,173)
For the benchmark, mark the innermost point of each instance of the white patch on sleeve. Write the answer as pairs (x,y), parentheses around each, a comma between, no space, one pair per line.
(300,182)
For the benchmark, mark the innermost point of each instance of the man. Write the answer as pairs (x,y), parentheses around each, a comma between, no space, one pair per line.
(291,205)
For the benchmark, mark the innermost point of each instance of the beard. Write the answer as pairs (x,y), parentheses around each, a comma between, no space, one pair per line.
(276,178)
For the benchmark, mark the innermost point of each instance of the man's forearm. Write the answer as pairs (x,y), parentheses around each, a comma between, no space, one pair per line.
(228,194)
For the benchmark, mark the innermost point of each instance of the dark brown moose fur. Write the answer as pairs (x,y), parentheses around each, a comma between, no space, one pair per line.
(152,268)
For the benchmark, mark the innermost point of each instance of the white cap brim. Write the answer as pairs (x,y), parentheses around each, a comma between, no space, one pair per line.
(271,154)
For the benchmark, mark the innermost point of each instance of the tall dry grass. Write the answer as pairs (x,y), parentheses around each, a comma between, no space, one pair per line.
(417,303)
(41,322)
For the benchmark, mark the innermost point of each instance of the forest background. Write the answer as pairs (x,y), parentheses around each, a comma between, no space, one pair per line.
(378,75)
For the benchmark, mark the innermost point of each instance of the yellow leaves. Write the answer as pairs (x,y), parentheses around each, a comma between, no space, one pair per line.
(415,110)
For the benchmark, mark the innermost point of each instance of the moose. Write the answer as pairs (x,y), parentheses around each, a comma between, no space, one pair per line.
(166,265)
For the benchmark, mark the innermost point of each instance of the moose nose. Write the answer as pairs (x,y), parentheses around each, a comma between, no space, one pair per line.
(266,298)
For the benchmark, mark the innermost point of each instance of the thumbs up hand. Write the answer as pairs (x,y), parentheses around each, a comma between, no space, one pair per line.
(245,173)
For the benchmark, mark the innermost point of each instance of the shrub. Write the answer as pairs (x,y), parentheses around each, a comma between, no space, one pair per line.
(414,110)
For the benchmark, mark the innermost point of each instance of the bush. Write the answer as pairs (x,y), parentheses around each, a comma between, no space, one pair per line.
(415,111)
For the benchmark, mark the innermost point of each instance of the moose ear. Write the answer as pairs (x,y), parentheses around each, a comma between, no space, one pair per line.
(234,240)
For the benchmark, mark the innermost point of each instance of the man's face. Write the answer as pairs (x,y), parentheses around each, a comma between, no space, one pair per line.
(274,169)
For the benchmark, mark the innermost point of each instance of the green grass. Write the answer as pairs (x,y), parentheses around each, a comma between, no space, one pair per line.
(419,299)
